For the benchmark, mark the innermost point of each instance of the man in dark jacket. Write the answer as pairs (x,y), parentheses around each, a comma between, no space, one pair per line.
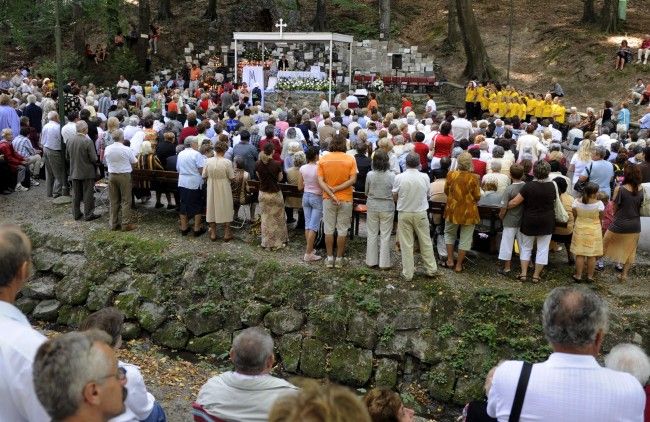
(80,151)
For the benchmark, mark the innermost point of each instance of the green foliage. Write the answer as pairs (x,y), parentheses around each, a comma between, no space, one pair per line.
(386,335)
(123,62)
(70,63)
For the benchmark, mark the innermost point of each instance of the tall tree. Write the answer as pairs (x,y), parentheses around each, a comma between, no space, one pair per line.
(384,19)
(113,8)
(144,18)
(453,36)
(609,21)
(478,62)
(320,18)
(211,11)
(164,10)
(78,27)
(588,11)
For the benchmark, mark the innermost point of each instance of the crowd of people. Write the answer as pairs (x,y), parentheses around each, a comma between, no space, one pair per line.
(77,377)
(506,149)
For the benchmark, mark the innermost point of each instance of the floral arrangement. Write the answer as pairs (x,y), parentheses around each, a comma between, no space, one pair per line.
(302,84)
(377,85)
(255,54)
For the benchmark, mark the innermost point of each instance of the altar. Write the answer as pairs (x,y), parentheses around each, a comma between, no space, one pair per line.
(325,80)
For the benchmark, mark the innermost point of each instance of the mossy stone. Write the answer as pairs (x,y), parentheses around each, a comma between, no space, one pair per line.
(64,244)
(284,320)
(351,365)
(172,334)
(386,373)
(442,379)
(118,281)
(69,265)
(146,285)
(72,290)
(151,316)
(130,331)
(468,389)
(26,304)
(217,344)
(128,302)
(313,358)
(99,297)
(254,313)
(40,288)
(362,331)
(289,347)
(72,316)
(47,310)
(44,259)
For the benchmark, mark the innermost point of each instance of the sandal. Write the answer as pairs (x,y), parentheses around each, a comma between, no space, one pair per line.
(522,278)
(462,268)
(576,279)
(536,279)
(591,280)
(228,239)
(503,272)
(444,264)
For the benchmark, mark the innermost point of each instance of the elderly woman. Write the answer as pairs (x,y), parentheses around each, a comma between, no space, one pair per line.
(381,209)
(630,358)
(219,172)
(239,185)
(538,219)
(387,146)
(461,213)
(386,405)
(498,157)
(496,176)
(312,201)
(581,159)
(298,159)
(622,236)
(189,165)
(269,173)
(588,124)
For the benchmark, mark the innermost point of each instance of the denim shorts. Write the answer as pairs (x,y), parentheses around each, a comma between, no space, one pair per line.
(312,206)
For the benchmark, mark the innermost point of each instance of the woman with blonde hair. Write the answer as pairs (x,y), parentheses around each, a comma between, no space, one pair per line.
(582,158)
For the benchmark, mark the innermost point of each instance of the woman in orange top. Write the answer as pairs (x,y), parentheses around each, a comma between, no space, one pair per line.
(373,104)
(463,193)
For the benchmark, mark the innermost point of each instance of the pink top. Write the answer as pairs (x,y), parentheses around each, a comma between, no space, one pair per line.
(309,174)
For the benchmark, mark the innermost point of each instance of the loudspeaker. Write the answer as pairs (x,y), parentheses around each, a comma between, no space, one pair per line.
(397,62)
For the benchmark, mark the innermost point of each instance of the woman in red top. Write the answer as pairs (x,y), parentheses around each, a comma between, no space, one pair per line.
(406,103)
(443,142)
(269,132)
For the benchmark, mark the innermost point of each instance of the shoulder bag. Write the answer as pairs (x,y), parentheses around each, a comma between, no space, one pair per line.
(560,212)
(520,394)
(580,184)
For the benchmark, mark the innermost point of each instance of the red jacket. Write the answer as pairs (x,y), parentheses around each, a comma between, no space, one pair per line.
(421,149)
(187,131)
(11,156)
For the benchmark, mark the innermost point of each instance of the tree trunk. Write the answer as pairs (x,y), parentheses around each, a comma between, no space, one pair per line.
(144,18)
(609,16)
(79,41)
(211,12)
(478,63)
(320,18)
(453,36)
(164,10)
(384,19)
(589,11)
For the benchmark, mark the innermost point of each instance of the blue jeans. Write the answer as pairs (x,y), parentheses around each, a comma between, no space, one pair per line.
(312,205)
(157,414)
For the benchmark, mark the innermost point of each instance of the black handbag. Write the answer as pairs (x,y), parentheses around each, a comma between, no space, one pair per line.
(580,184)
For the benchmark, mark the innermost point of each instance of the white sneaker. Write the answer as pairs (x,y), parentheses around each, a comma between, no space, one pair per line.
(638,61)
(35,182)
(21,188)
(329,263)
(311,257)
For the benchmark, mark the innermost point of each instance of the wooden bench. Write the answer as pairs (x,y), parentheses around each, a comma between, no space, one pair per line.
(288,191)
(167,180)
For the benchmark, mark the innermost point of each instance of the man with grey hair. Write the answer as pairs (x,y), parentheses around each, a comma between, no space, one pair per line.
(570,385)
(189,165)
(80,151)
(410,191)
(248,392)
(120,160)
(19,341)
(34,113)
(630,358)
(77,378)
(55,179)
(104,103)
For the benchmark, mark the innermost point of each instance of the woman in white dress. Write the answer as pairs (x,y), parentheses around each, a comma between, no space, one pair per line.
(219,172)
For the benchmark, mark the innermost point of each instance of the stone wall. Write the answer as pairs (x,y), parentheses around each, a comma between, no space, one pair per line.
(347,325)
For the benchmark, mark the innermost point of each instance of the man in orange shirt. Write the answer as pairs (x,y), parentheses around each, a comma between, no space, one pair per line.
(337,173)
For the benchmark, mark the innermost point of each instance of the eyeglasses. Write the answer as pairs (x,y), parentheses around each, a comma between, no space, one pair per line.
(120,374)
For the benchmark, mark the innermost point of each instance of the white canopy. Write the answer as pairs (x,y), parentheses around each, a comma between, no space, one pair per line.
(308,37)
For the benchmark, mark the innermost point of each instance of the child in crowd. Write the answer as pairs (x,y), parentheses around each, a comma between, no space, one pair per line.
(587,240)
(511,218)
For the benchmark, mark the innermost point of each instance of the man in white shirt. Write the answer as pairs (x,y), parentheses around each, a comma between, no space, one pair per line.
(132,128)
(123,87)
(324,105)
(119,160)
(56,181)
(69,130)
(410,191)
(352,99)
(430,107)
(529,144)
(574,137)
(604,140)
(248,392)
(570,385)
(19,341)
(461,128)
